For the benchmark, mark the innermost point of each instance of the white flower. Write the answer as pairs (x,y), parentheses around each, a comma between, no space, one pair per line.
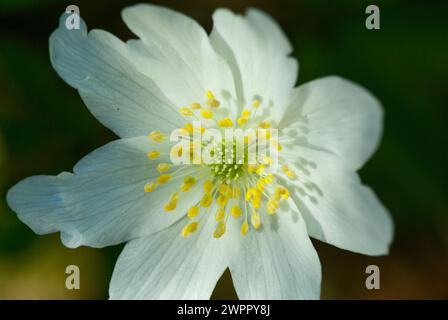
(185,224)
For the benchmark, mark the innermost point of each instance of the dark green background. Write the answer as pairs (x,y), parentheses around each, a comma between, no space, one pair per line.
(45,129)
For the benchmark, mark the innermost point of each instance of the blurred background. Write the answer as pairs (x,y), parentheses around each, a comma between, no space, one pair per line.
(46,129)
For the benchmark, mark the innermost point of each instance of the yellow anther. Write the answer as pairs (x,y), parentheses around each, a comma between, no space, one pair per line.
(193,212)
(260,169)
(186,112)
(174,196)
(223,189)
(276,145)
(235,211)
(225,123)
(242,121)
(189,228)
(185,187)
(252,168)
(209,95)
(190,180)
(291,174)
(153,154)
(213,103)
(261,184)
(264,125)
(281,192)
(171,205)
(157,136)
(211,100)
(188,127)
(208,186)
(183,132)
(220,213)
(272,206)
(188,183)
(220,230)
(251,193)
(195,106)
(285,168)
(222,200)
(150,186)
(206,200)
(255,220)
(264,134)
(162,167)
(207,113)
(256,103)
(176,151)
(163,178)
(256,201)
(269,178)
(246,113)
(244,228)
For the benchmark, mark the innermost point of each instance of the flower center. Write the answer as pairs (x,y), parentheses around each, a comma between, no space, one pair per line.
(240,183)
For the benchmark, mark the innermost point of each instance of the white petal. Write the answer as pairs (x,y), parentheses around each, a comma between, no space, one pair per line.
(337,115)
(257,51)
(99,66)
(103,202)
(168,266)
(176,52)
(337,208)
(278,261)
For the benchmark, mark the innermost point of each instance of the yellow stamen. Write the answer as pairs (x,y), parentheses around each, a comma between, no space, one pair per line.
(222,200)
(208,186)
(219,215)
(242,121)
(211,100)
(220,230)
(225,123)
(272,206)
(189,228)
(207,113)
(171,205)
(188,127)
(264,125)
(244,228)
(176,151)
(186,112)
(276,145)
(163,178)
(157,136)
(282,192)
(264,134)
(252,168)
(256,103)
(209,95)
(150,186)
(188,183)
(255,220)
(291,174)
(235,211)
(195,106)
(256,201)
(206,200)
(224,189)
(260,169)
(162,167)
(153,154)
(193,212)
(246,113)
